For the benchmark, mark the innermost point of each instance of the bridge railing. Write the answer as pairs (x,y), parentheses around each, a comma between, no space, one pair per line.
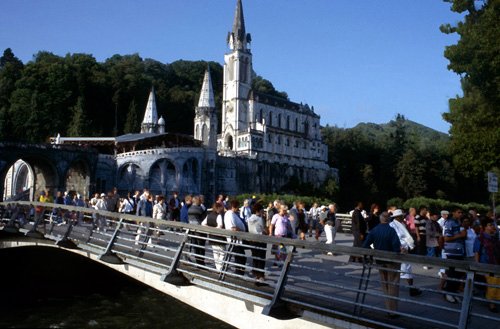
(301,278)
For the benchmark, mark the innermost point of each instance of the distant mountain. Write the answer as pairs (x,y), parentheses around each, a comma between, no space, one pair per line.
(416,132)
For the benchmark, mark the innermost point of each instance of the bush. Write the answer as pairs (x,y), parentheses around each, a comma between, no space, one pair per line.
(288,199)
(436,205)
(395,202)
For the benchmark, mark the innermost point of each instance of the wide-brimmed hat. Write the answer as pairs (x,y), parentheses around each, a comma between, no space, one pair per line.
(397,213)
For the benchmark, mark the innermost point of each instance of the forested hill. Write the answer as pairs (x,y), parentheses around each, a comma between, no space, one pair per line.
(75,95)
(398,159)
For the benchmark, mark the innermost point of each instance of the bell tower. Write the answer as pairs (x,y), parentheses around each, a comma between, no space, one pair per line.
(237,81)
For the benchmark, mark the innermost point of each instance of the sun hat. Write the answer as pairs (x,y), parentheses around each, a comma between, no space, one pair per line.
(397,213)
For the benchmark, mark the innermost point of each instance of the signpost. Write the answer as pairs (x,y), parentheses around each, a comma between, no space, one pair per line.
(492,182)
(493,188)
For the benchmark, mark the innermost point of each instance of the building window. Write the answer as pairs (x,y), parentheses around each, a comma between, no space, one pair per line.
(270,118)
(279,120)
(288,122)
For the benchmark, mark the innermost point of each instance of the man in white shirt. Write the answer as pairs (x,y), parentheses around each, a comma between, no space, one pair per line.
(233,222)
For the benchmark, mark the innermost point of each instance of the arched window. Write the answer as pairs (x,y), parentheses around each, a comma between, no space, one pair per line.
(229,142)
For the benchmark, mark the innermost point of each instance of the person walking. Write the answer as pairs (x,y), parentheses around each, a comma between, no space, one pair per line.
(454,248)
(358,229)
(256,225)
(407,244)
(214,218)
(384,237)
(486,246)
(233,222)
(196,214)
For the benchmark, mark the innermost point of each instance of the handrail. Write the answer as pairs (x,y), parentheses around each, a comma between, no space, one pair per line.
(183,254)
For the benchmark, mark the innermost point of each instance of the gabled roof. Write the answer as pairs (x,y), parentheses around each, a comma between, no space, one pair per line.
(281,102)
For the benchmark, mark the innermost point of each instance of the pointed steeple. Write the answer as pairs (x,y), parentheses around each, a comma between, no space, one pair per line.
(205,119)
(150,121)
(239,22)
(238,38)
(207,93)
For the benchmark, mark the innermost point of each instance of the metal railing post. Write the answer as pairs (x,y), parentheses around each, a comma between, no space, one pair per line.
(65,241)
(366,260)
(10,227)
(226,259)
(280,284)
(466,303)
(109,256)
(172,276)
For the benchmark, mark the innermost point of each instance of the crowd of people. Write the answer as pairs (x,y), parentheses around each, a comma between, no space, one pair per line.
(447,234)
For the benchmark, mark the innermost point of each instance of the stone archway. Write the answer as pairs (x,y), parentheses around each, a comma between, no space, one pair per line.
(19,181)
(190,179)
(77,178)
(129,177)
(162,177)
(25,178)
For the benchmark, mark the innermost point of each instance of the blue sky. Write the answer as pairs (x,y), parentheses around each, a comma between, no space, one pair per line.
(354,61)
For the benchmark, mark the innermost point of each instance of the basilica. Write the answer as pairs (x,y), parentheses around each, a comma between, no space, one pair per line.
(264,142)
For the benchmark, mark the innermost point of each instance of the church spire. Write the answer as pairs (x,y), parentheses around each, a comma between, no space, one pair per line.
(150,121)
(205,119)
(238,38)
(207,93)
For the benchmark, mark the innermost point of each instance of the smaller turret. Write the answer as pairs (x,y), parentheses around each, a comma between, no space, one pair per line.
(161,125)
(205,121)
(150,122)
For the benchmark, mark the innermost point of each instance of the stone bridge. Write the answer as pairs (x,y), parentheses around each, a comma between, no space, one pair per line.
(46,166)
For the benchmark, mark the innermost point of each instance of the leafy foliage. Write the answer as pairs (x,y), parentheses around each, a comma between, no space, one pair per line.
(475,139)
(264,86)
(75,94)
(288,199)
(391,162)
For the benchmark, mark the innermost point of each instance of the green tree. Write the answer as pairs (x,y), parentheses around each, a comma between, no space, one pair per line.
(474,119)
(79,125)
(11,69)
(264,86)
(132,124)
(40,105)
(410,174)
